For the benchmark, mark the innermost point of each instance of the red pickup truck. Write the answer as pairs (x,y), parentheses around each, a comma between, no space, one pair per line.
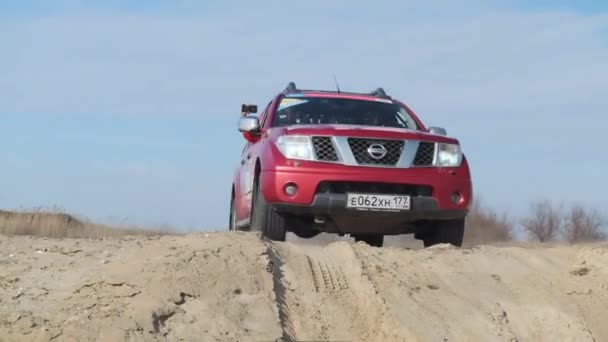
(361,164)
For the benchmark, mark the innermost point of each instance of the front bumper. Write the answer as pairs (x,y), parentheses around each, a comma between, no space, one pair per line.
(328,213)
(334,205)
(442,182)
(312,201)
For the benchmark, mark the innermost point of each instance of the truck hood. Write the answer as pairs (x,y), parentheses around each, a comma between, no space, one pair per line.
(364,132)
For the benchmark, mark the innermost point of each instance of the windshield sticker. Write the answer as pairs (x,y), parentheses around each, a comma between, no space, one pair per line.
(285,103)
(384,100)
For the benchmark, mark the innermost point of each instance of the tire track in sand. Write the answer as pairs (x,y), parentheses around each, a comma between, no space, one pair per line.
(321,283)
(326,277)
(275,267)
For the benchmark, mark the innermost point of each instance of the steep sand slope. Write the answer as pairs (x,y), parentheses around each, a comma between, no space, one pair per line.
(235,287)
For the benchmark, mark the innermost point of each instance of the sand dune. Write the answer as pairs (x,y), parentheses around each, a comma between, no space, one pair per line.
(236,287)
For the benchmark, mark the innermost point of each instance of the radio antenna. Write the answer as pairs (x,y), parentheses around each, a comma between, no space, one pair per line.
(337,85)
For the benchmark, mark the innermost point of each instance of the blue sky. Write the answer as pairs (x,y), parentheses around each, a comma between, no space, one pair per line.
(126,110)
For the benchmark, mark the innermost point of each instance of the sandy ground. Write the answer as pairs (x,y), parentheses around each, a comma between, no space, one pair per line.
(235,287)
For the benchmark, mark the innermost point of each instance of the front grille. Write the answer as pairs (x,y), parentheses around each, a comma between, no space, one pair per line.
(359,147)
(324,149)
(342,187)
(425,154)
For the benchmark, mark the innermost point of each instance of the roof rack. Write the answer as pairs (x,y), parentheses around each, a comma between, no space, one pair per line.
(292,89)
(379,92)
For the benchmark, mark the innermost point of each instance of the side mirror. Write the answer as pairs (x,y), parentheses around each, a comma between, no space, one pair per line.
(248,109)
(249,124)
(437,130)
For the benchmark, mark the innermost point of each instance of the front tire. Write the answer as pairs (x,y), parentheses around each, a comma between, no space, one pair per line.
(232,219)
(449,231)
(265,218)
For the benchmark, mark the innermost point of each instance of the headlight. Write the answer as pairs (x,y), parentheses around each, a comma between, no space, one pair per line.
(448,155)
(295,146)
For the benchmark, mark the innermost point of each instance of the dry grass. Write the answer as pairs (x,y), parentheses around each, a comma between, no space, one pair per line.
(549,222)
(544,222)
(61,225)
(484,226)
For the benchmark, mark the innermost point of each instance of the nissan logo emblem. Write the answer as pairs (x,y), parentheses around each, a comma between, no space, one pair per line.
(376,151)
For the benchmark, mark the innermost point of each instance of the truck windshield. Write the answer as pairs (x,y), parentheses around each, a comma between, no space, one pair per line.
(342,111)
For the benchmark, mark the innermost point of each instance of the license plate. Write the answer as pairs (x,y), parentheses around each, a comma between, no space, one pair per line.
(377,202)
